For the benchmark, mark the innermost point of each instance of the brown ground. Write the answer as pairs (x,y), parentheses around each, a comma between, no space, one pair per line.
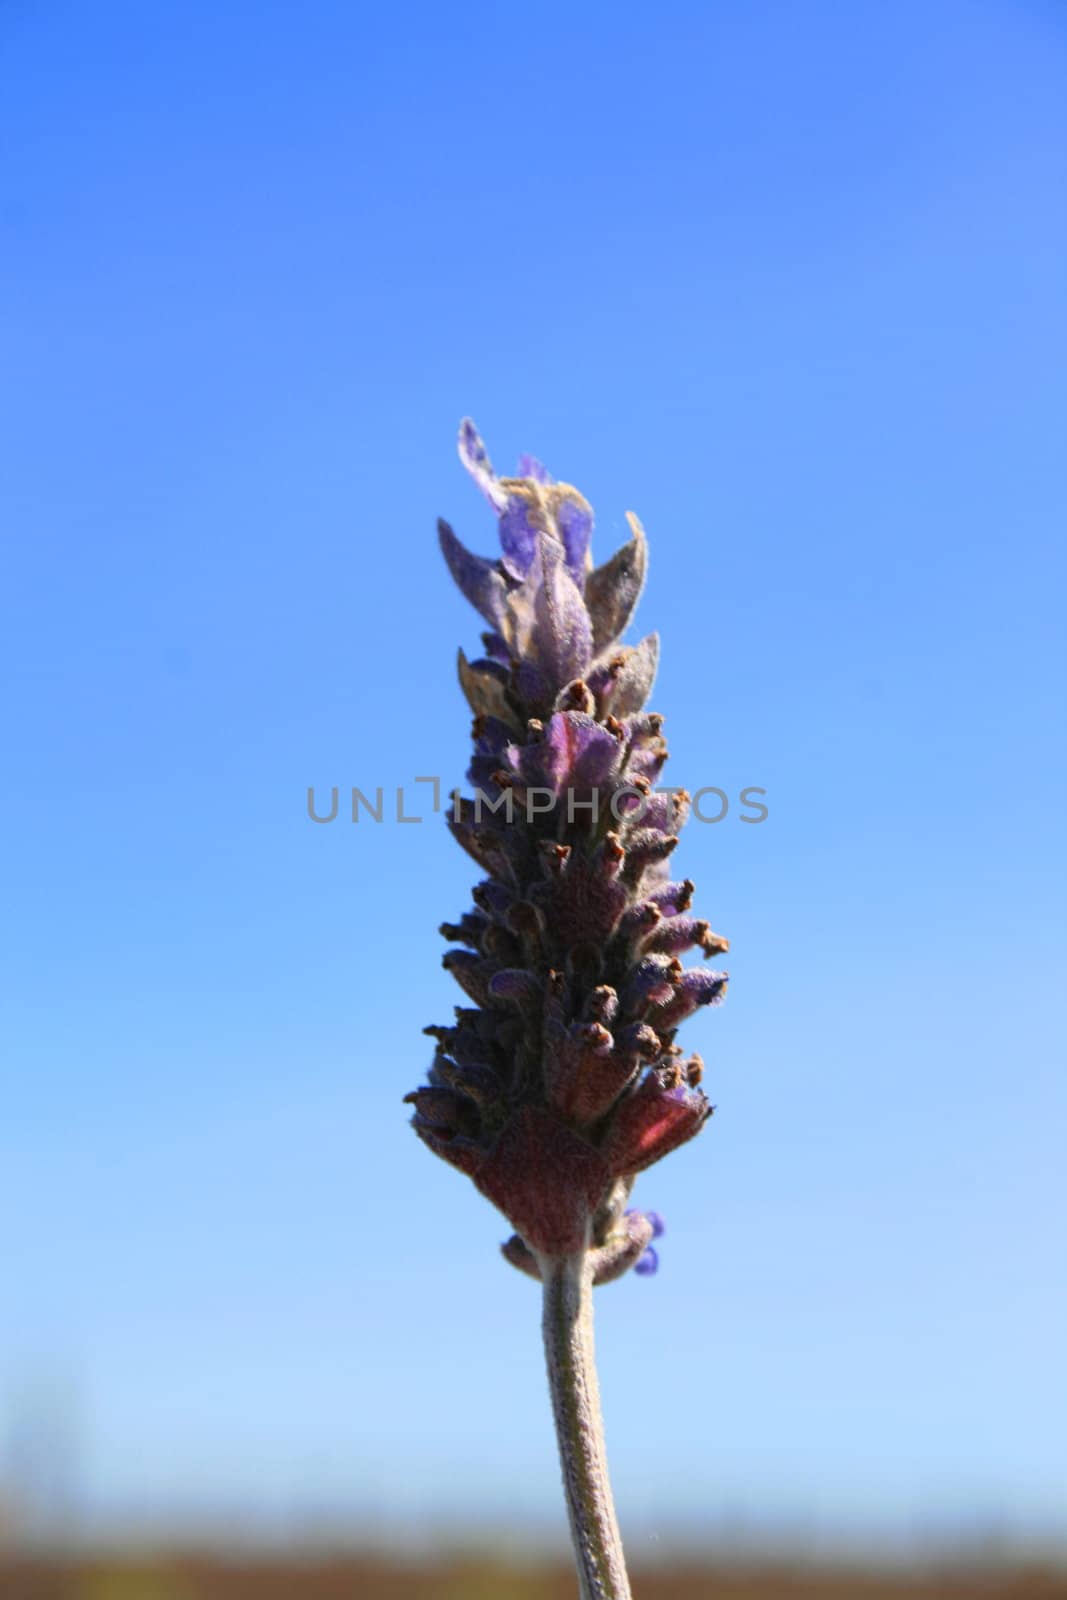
(364,1579)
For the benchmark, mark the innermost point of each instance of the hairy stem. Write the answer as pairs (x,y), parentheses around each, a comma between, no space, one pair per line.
(568,1330)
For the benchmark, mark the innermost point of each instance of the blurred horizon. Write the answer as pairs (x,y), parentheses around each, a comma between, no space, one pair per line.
(787,281)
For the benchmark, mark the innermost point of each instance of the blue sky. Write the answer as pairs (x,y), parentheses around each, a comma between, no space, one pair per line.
(788,281)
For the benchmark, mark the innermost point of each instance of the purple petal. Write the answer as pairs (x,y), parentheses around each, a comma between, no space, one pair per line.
(574,518)
(518,535)
(697,987)
(673,898)
(475,458)
(676,934)
(563,636)
(478,579)
(530,467)
(655,1222)
(578,751)
(704,987)
(666,810)
(647,1263)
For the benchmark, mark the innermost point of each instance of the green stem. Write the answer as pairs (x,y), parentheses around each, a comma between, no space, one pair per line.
(568,1330)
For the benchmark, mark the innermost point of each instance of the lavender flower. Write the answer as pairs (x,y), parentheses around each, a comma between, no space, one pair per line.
(560,1080)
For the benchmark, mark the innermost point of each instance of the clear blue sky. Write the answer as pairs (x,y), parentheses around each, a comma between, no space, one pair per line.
(788,280)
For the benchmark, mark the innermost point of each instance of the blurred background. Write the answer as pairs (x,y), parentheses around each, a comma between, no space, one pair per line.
(786,279)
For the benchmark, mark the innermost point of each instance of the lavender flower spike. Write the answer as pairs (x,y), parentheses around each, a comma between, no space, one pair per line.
(560,1078)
